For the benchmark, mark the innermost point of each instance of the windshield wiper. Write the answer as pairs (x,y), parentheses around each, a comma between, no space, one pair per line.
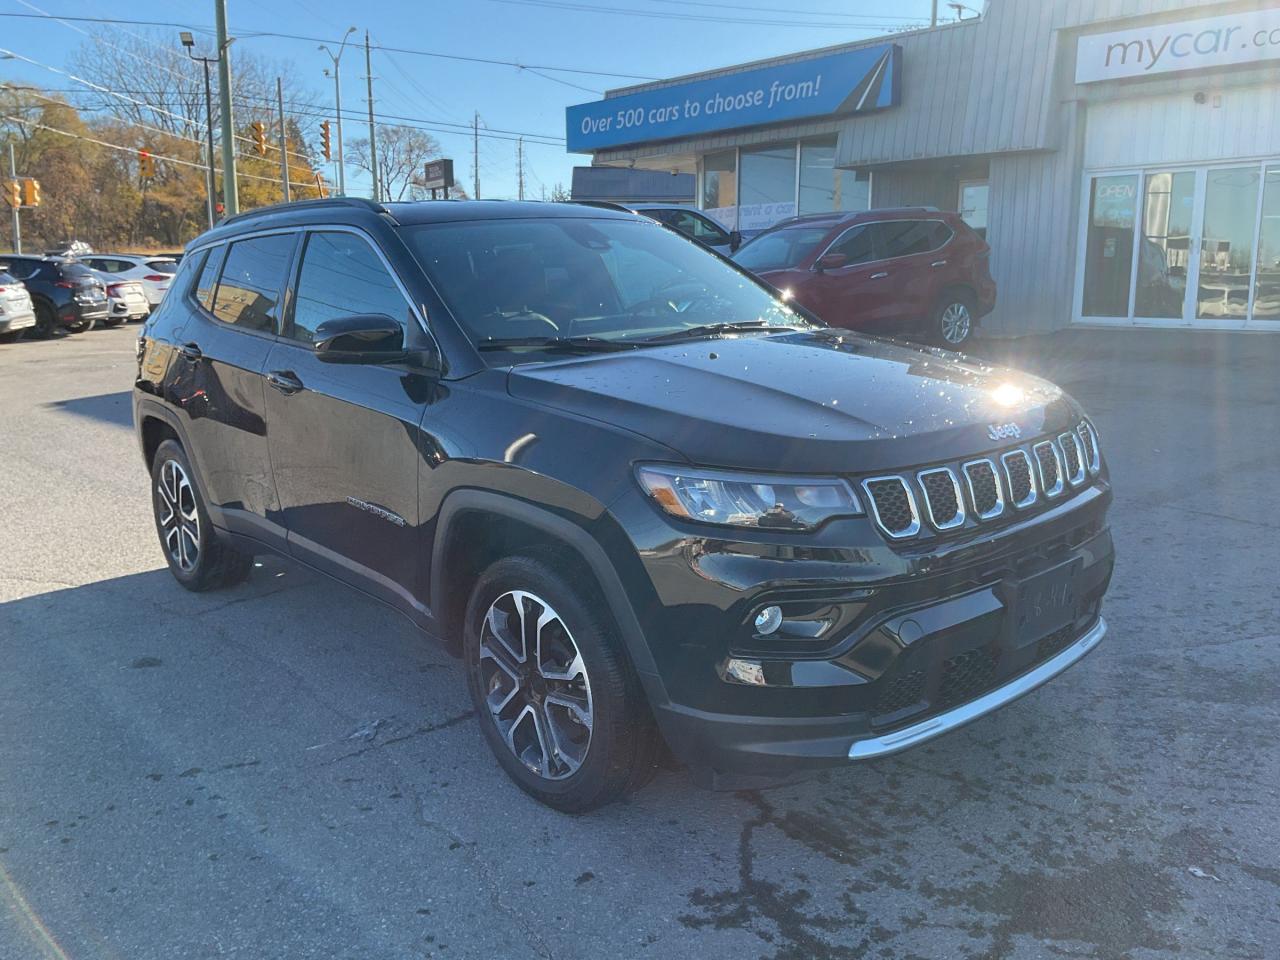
(589,344)
(714,329)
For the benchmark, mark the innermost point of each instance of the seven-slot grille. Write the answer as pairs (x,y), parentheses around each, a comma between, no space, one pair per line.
(983,488)
(1050,465)
(942,498)
(894,506)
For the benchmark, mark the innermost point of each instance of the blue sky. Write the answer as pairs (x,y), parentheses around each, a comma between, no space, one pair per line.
(651,38)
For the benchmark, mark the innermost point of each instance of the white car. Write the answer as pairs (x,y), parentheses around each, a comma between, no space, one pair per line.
(156,273)
(17,312)
(127,299)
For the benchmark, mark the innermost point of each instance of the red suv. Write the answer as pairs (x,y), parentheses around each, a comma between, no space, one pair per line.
(910,270)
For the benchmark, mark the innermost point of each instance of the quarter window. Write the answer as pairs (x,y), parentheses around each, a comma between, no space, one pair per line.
(341,276)
(208,280)
(905,238)
(249,289)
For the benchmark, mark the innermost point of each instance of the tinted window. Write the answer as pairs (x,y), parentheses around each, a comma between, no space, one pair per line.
(208,277)
(903,238)
(75,270)
(698,227)
(780,249)
(6,278)
(162,266)
(858,245)
(23,268)
(249,288)
(341,276)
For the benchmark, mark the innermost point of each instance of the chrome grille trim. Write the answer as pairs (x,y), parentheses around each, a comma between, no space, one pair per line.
(1077,478)
(958,519)
(909,531)
(1089,436)
(995,478)
(1060,484)
(1031,496)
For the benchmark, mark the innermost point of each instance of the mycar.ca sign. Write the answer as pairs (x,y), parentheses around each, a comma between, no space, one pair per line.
(855,81)
(1172,47)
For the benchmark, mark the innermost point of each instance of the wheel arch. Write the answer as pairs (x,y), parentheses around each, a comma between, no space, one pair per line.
(477,527)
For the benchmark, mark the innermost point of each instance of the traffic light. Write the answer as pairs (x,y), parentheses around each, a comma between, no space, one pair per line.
(13,192)
(260,137)
(146,164)
(324,139)
(30,192)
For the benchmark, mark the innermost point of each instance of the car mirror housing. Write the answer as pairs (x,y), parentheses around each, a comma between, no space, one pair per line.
(735,240)
(830,261)
(360,338)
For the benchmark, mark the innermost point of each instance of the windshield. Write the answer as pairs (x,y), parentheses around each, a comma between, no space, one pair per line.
(780,249)
(615,280)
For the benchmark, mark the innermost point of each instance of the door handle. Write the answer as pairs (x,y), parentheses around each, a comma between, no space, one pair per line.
(938,263)
(191,350)
(879,276)
(285,381)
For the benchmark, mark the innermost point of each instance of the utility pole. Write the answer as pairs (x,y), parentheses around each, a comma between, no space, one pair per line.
(284,151)
(475,156)
(520,167)
(373,134)
(17,220)
(230,193)
(933,19)
(337,97)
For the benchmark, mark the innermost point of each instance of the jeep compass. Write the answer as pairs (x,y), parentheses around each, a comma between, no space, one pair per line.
(642,496)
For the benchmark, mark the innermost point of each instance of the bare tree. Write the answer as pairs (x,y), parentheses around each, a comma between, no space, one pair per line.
(402,156)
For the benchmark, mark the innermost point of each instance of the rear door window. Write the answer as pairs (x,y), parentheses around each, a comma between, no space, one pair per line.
(252,279)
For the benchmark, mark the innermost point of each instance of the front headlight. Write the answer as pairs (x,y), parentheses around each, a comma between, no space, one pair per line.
(748,500)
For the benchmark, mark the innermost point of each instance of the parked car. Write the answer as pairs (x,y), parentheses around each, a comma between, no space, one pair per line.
(912,271)
(17,313)
(155,273)
(637,492)
(65,293)
(69,248)
(127,300)
(692,223)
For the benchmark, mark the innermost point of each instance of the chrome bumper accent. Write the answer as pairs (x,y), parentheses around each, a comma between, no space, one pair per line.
(993,700)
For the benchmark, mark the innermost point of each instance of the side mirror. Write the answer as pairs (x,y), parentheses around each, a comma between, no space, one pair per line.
(735,240)
(360,338)
(830,261)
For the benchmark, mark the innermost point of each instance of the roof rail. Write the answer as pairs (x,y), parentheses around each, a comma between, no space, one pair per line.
(360,202)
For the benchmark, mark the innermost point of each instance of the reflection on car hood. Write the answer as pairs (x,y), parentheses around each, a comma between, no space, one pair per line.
(802,402)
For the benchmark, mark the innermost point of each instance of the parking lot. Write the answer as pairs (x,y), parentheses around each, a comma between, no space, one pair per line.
(287,769)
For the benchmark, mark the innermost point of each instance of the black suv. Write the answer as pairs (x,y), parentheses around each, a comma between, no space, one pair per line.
(67,296)
(642,497)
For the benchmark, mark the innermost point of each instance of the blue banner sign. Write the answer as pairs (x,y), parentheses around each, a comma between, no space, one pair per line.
(856,81)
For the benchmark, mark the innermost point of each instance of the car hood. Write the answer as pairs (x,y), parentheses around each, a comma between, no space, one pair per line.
(802,402)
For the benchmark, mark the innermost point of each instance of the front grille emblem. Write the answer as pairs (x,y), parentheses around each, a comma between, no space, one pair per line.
(1003,431)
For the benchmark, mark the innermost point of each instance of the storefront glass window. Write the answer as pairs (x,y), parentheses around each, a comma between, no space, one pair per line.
(1109,252)
(720,188)
(1166,240)
(1266,290)
(768,186)
(1226,245)
(823,188)
(973,205)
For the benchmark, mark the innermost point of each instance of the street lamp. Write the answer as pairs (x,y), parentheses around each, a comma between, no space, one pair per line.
(337,96)
(189,42)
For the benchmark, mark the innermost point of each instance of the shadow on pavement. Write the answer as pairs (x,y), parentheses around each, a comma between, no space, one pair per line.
(112,408)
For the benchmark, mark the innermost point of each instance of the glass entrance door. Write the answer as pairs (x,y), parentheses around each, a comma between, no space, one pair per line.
(1188,247)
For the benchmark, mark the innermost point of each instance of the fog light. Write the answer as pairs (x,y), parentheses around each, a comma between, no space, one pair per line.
(768,620)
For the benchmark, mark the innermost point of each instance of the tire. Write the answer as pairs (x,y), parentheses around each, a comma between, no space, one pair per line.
(575,731)
(197,558)
(952,322)
(82,326)
(46,321)
(11,336)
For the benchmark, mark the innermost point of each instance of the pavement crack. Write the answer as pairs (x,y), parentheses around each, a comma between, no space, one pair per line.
(416,732)
(456,842)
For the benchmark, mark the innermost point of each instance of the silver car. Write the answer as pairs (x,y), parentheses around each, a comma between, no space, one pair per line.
(17,312)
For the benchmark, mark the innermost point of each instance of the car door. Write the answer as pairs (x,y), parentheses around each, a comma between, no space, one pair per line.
(855,294)
(915,265)
(234,317)
(344,436)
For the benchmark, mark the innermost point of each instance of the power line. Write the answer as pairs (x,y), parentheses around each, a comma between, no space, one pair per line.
(698,17)
(807,13)
(253,34)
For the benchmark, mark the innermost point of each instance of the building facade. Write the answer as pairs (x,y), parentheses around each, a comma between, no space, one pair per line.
(1121,156)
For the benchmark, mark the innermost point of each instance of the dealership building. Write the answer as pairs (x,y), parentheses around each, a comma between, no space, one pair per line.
(1122,157)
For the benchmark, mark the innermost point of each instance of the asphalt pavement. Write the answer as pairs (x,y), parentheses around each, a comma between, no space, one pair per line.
(289,770)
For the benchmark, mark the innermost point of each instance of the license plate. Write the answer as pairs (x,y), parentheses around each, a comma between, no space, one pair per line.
(1045,603)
